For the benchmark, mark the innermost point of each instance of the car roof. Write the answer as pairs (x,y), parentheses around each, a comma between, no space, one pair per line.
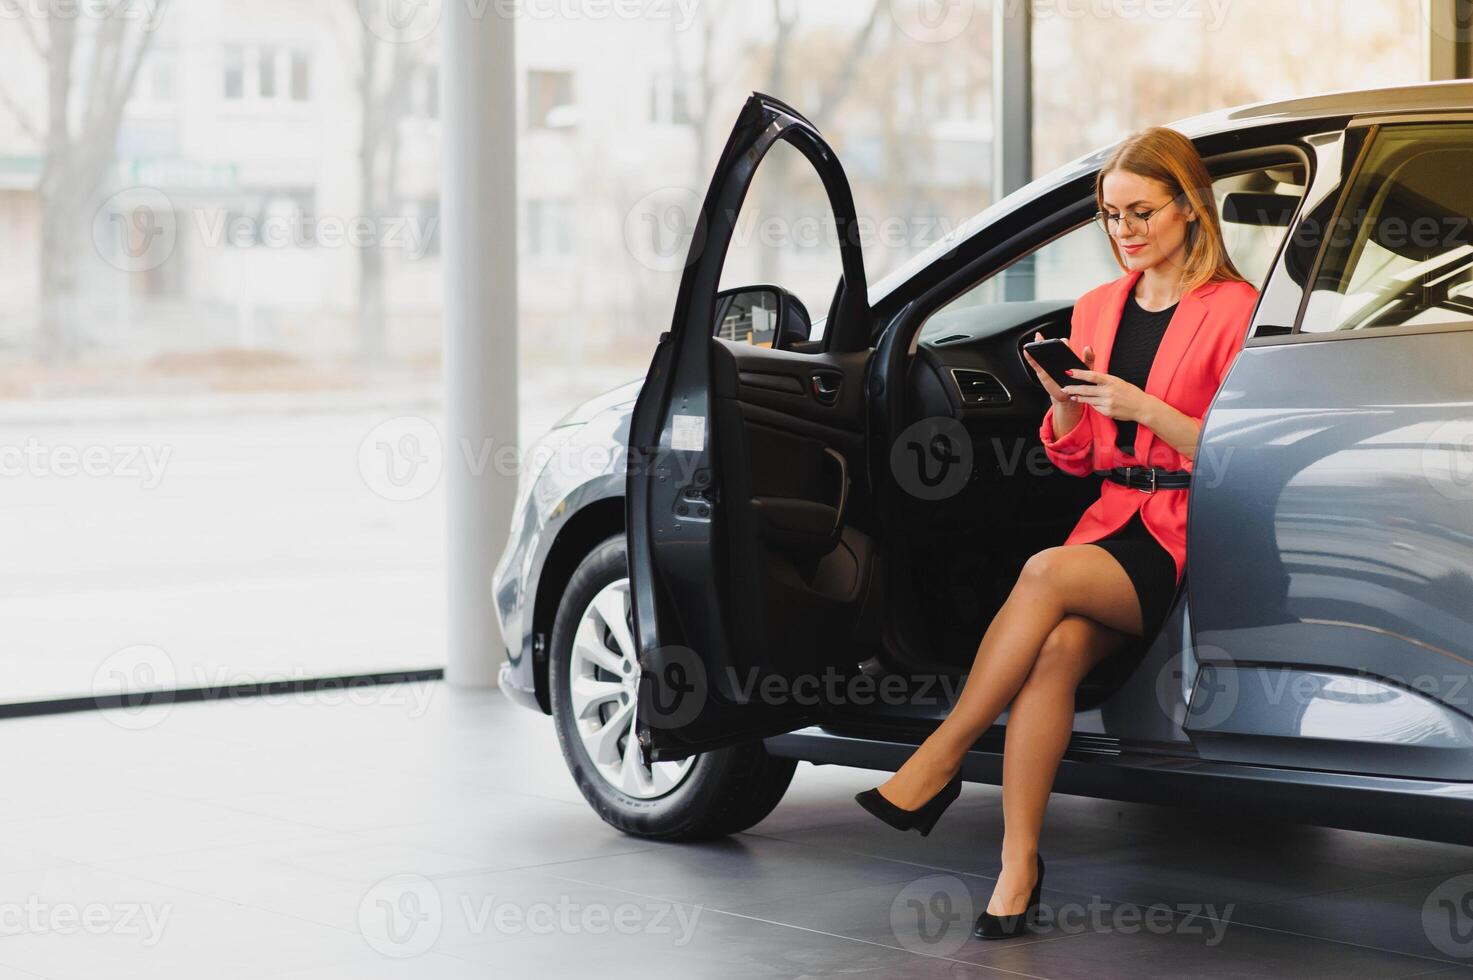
(1425,96)
(1422,97)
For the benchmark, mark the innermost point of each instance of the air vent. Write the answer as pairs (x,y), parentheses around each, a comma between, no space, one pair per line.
(979,387)
(953,338)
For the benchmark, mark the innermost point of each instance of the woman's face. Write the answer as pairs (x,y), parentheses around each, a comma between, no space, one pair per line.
(1165,237)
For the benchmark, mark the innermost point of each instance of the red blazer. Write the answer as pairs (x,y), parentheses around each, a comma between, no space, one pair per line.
(1201,341)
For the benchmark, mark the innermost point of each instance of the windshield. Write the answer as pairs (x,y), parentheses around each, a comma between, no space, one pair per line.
(1033,189)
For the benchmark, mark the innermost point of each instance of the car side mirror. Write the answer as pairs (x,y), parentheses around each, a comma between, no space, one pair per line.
(763,316)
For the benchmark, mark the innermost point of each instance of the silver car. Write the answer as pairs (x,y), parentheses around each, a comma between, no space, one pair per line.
(805,526)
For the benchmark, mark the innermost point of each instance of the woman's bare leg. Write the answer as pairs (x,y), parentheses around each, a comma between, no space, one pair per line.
(1040,722)
(1079,579)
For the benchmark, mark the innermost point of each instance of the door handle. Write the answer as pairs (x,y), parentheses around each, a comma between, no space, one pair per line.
(843,500)
(825,386)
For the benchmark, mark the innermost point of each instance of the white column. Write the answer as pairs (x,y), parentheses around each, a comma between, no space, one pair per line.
(1012,118)
(479,225)
(1012,97)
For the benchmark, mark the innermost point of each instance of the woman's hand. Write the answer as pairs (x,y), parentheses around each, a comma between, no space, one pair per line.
(1112,397)
(1060,397)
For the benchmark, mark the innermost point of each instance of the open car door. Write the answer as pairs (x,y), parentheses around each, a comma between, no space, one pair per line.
(746,473)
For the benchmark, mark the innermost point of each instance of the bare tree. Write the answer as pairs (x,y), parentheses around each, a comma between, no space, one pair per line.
(382,73)
(701,94)
(77,136)
(777,182)
(715,52)
(696,99)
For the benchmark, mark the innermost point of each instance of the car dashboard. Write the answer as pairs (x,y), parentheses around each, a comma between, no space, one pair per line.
(967,364)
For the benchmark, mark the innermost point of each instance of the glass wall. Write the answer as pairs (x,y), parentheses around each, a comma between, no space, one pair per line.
(1102,68)
(220,311)
(220,222)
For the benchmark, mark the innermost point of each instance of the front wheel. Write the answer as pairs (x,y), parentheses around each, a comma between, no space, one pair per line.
(592,672)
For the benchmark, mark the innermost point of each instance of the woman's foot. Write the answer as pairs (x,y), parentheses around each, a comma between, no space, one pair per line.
(1014,885)
(921,777)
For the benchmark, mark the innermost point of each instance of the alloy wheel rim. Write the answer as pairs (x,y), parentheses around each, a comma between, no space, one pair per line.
(603,684)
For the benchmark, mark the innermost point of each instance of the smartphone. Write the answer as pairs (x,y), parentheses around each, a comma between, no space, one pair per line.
(1056,356)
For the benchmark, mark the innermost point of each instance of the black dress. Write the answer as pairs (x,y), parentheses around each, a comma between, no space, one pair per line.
(1150,566)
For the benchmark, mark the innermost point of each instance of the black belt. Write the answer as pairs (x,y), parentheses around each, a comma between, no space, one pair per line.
(1147,478)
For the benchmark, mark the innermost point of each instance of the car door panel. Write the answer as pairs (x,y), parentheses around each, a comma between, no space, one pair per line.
(1331,537)
(1338,536)
(745,567)
(783,380)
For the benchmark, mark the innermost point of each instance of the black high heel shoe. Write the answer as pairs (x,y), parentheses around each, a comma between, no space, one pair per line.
(922,818)
(991,926)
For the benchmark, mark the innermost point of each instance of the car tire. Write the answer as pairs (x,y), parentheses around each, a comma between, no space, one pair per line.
(713,794)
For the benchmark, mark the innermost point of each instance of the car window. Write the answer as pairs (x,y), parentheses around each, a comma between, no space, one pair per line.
(1401,251)
(1063,269)
(784,236)
(1256,207)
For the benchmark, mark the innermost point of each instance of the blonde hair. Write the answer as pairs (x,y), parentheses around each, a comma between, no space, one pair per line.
(1168,157)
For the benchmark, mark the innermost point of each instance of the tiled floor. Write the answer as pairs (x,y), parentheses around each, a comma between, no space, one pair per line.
(421,831)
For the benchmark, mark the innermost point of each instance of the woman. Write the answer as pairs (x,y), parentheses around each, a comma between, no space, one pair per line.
(1158,342)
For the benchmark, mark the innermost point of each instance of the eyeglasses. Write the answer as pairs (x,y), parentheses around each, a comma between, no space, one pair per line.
(1136,222)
